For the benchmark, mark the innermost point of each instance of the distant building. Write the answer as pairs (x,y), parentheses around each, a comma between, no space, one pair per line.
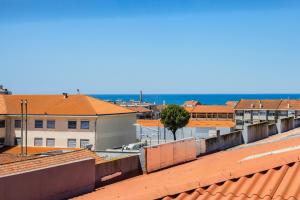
(142,112)
(254,111)
(66,121)
(4,90)
(191,104)
(231,103)
(212,112)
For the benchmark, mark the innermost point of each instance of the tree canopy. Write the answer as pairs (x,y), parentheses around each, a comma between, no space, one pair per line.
(174,117)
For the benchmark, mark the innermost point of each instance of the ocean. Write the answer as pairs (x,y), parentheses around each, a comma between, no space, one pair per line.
(212,99)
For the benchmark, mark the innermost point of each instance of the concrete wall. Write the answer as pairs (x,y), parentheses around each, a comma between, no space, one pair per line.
(58,182)
(297,123)
(272,129)
(286,124)
(145,133)
(255,132)
(168,154)
(218,143)
(115,130)
(117,170)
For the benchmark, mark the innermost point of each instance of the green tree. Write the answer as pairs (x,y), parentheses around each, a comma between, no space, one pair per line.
(174,117)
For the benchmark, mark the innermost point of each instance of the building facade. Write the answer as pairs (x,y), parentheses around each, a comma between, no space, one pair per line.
(73,121)
(255,111)
(211,112)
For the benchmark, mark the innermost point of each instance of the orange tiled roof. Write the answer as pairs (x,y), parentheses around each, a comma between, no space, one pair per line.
(32,150)
(42,162)
(139,109)
(211,123)
(278,183)
(219,171)
(58,105)
(258,104)
(192,123)
(289,104)
(212,109)
(231,103)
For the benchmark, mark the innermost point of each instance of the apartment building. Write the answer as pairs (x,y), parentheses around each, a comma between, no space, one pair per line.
(211,112)
(66,121)
(254,111)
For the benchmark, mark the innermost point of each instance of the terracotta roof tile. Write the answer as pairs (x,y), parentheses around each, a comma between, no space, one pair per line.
(192,123)
(139,109)
(258,104)
(58,105)
(290,104)
(223,175)
(46,161)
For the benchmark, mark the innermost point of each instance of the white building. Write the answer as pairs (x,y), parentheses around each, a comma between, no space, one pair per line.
(66,121)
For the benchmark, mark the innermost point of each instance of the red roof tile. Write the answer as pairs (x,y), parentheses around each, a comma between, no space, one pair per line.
(224,173)
(192,123)
(59,105)
(46,161)
(258,104)
(276,183)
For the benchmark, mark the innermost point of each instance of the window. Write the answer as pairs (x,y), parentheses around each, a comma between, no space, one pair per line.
(38,142)
(50,123)
(17,123)
(50,142)
(255,113)
(271,113)
(17,141)
(71,143)
(2,123)
(2,141)
(38,123)
(84,143)
(85,125)
(72,124)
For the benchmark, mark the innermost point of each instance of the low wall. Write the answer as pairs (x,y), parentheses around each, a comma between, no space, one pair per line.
(168,154)
(56,182)
(286,124)
(297,123)
(218,143)
(255,132)
(272,129)
(117,170)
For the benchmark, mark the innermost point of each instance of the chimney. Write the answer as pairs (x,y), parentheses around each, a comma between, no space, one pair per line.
(252,105)
(260,105)
(65,95)
(289,106)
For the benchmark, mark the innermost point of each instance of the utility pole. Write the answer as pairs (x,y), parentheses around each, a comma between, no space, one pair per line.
(22,126)
(26,124)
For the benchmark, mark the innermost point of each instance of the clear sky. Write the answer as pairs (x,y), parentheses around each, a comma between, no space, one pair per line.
(159,46)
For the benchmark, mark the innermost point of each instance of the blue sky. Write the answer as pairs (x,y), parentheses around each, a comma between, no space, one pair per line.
(158,46)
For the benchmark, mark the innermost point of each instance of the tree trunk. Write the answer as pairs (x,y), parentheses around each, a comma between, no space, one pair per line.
(174,135)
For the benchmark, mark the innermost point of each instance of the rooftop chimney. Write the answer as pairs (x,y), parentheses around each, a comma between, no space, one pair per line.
(65,95)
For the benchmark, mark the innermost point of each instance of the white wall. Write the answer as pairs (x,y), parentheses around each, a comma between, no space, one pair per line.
(115,130)
(3,130)
(61,133)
